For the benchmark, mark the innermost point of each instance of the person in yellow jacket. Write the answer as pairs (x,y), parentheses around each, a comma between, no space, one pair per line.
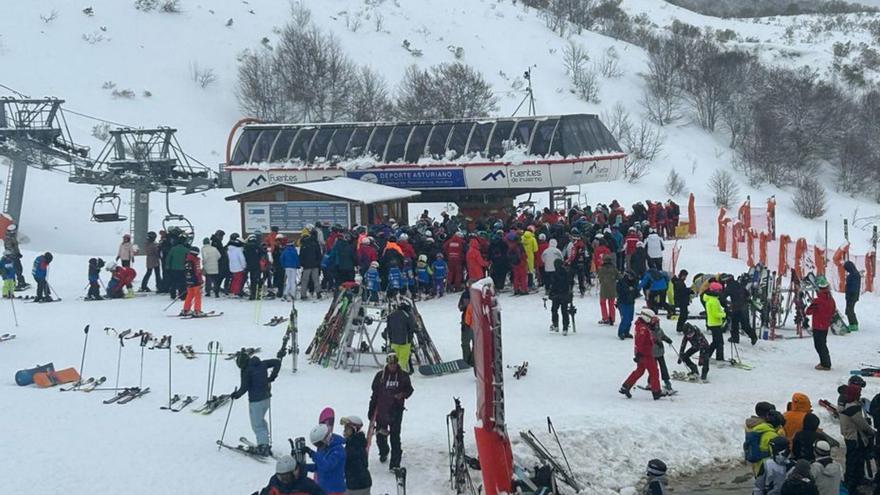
(715,319)
(760,429)
(530,245)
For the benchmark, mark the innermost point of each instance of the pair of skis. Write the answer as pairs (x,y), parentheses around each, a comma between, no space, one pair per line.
(127,395)
(173,406)
(86,385)
(213,404)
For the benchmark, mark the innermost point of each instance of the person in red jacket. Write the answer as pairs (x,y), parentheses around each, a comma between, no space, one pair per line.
(516,254)
(822,310)
(644,358)
(600,249)
(453,248)
(476,264)
(406,248)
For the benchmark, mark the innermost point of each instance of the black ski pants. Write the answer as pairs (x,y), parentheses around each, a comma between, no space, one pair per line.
(393,432)
(657,300)
(655,263)
(682,319)
(176,283)
(499,275)
(854,472)
(717,345)
(42,289)
(255,277)
(740,318)
(703,360)
(467,347)
(851,312)
(19,271)
(146,278)
(820,343)
(664,372)
(563,305)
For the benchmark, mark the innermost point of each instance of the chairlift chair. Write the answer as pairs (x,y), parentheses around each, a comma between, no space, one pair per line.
(176,221)
(106,207)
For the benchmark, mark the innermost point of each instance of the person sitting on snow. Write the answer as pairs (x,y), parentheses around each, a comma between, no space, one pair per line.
(120,278)
(290,479)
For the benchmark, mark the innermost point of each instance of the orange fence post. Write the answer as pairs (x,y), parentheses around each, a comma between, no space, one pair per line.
(692,215)
(750,247)
(771,217)
(783,253)
(735,234)
(763,238)
(800,250)
(721,235)
(819,259)
(745,214)
(870,270)
(839,259)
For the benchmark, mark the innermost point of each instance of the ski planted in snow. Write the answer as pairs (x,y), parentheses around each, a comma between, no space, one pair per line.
(134,395)
(213,404)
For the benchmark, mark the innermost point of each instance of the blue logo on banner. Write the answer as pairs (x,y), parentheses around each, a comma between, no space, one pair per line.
(494,176)
(413,179)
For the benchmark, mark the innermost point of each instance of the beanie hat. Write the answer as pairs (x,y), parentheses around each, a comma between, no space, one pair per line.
(647,315)
(822,449)
(762,408)
(656,467)
(206,241)
(286,464)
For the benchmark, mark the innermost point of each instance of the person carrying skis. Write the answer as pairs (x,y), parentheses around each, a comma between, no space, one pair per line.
(561,294)
(193,274)
(681,298)
(627,293)
(822,310)
(357,469)
(10,244)
(391,387)
(328,459)
(825,470)
(290,479)
(771,475)
(853,290)
(94,293)
(440,271)
(7,265)
(644,359)
(698,344)
(656,474)
(715,319)
(399,330)
(735,299)
(151,250)
(607,276)
(256,378)
(40,272)
(857,435)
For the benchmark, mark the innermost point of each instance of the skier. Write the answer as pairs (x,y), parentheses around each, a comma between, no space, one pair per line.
(151,250)
(120,277)
(440,271)
(476,264)
(681,297)
(467,332)
(607,276)
(125,253)
(193,275)
(654,246)
(657,481)
(639,259)
(391,387)
(644,344)
(516,255)
(357,470)
(7,265)
(853,289)
(310,259)
(825,470)
(577,257)
(94,293)
(394,279)
(655,283)
(224,279)
(800,480)
(857,434)
(237,263)
(174,267)
(500,264)
(735,299)
(40,272)
(561,294)
(627,293)
(822,309)
(771,475)
(399,332)
(254,258)
(698,344)
(10,244)
(548,258)
(256,378)
(453,248)
(715,319)
(530,246)
(211,267)
(660,339)
(328,459)
(290,264)
(290,479)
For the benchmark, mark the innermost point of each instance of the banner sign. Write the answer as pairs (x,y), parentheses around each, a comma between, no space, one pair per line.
(422,178)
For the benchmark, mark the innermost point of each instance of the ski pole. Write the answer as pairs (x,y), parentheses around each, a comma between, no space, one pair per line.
(144,339)
(228,414)
(119,361)
(53,291)
(552,429)
(174,300)
(270,423)
(82,363)
(12,303)
(169,373)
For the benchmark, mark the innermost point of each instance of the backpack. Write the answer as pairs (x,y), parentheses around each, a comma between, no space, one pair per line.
(752,447)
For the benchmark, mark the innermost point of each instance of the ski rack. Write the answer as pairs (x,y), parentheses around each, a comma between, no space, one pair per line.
(459,475)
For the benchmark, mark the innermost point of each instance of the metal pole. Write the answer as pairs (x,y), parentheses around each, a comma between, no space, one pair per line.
(140,222)
(228,414)
(825,253)
(15,188)
(12,302)
(169,372)
(82,362)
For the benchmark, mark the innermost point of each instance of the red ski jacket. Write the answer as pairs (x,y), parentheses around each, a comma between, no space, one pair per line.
(644,340)
(454,249)
(822,310)
(476,264)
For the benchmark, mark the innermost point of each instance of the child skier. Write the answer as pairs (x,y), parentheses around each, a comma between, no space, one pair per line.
(771,475)
(95,265)
(656,474)
(409,279)
(423,276)
(121,276)
(660,338)
(395,281)
(698,344)
(627,293)
(40,272)
(371,280)
(440,271)
(357,469)
(7,264)
(607,275)
(193,272)
(644,344)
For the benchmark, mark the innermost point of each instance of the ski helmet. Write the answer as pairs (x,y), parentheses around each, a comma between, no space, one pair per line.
(111,266)
(286,464)
(233,236)
(646,315)
(355,421)
(542,237)
(206,241)
(327,416)
(319,434)
(778,445)
(715,287)
(857,380)
(821,282)
(423,258)
(374,264)
(403,237)
(11,228)
(151,235)
(48,257)
(194,250)
(656,467)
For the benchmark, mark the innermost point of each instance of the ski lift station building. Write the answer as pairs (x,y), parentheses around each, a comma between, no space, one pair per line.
(479,164)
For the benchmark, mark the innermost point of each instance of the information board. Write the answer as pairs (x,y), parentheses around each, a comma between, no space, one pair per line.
(292,216)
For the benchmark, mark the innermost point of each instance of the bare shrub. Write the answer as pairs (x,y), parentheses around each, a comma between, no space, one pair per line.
(370,100)
(724,188)
(609,64)
(674,183)
(146,5)
(810,200)
(643,142)
(203,76)
(445,91)
(125,94)
(171,6)
(48,18)
(584,81)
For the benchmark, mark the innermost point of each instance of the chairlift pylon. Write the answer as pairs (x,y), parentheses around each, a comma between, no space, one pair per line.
(176,221)
(106,207)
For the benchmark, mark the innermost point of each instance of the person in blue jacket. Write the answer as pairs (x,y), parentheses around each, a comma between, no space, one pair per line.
(853,290)
(372,282)
(256,376)
(95,265)
(440,270)
(655,282)
(395,281)
(423,275)
(328,459)
(40,273)
(7,265)
(290,264)
(627,293)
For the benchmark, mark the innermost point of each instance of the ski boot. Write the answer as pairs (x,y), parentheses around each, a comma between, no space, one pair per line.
(183,313)
(197,314)
(264,450)
(667,385)
(554,328)
(565,331)
(853,328)
(704,379)
(692,377)
(625,391)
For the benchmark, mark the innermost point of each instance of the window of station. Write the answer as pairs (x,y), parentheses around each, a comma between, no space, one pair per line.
(262,146)
(522,132)
(437,141)
(300,146)
(397,143)
(499,136)
(245,146)
(282,145)
(358,142)
(318,149)
(458,138)
(479,138)
(377,143)
(338,142)
(416,147)
(543,137)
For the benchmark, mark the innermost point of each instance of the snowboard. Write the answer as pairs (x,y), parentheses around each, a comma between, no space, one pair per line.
(48,379)
(443,368)
(26,377)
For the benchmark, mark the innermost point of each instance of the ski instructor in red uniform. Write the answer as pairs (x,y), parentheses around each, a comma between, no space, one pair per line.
(644,359)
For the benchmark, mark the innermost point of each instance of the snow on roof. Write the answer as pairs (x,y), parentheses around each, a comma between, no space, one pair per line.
(358,191)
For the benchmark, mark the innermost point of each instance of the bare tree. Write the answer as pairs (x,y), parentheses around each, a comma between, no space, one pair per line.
(724,188)
(585,83)
(260,88)
(709,78)
(609,64)
(643,143)
(203,76)
(674,183)
(810,199)
(445,91)
(369,100)
(663,94)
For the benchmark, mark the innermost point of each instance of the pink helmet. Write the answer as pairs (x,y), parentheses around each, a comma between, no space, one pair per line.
(327,416)
(715,287)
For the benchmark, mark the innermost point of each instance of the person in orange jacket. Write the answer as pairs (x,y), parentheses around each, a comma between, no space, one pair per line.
(798,408)
(476,264)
